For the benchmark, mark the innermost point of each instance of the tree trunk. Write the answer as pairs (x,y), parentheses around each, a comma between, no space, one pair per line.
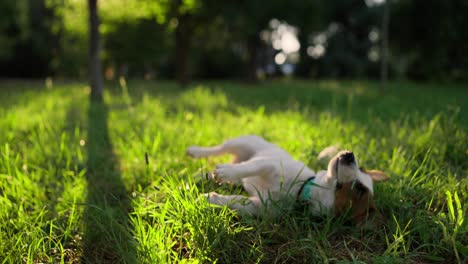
(95,77)
(183,39)
(384,47)
(252,50)
(304,66)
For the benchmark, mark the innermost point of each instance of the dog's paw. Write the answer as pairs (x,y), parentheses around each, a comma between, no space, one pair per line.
(195,151)
(225,173)
(204,176)
(211,197)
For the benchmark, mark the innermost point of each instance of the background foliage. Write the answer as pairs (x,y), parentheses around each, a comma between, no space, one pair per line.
(217,39)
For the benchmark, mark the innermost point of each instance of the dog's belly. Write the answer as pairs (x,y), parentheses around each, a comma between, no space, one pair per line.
(258,186)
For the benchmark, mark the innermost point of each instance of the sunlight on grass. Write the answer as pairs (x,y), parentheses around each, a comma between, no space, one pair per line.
(45,168)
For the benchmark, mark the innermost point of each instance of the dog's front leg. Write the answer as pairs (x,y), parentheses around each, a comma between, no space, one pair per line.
(242,204)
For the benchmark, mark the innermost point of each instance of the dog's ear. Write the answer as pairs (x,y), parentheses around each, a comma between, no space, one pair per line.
(376,175)
(327,153)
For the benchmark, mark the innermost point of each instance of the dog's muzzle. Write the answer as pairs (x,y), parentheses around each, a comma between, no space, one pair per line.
(347,158)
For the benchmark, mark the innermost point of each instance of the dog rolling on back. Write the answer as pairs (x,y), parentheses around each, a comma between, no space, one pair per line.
(268,173)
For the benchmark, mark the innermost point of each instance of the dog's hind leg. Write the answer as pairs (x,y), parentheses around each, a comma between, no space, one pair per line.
(202,152)
(242,148)
(242,204)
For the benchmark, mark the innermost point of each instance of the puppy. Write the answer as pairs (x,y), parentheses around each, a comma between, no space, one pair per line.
(268,174)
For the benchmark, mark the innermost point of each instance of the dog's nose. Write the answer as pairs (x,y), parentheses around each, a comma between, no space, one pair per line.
(348,157)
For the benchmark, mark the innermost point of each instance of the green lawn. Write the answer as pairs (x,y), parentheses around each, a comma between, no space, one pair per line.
(92,183)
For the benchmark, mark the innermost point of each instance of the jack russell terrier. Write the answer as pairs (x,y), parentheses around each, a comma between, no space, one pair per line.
(268,173)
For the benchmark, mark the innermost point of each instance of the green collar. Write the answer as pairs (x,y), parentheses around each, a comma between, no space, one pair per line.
(304,192)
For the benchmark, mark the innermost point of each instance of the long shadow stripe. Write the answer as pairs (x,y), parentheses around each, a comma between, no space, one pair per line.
(107,237)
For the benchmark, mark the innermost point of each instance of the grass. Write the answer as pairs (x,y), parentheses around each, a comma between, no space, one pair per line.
(93,183)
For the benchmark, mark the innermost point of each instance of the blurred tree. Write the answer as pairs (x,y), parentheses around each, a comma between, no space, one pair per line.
(26,41)
(254,16)
(308,16)
(218,41)
(143,52)
(182,13)
(208,38)
(70,26)
(247,19)
(95,71)
(180,17)
(384,46)
(347,38)
(430,38)
(14,24)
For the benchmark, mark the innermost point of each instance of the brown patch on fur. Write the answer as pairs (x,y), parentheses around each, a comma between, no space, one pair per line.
(359,201)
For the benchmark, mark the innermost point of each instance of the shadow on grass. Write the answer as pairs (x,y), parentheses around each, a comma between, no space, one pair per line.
(107,237)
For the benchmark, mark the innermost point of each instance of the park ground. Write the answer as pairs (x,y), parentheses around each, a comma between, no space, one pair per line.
(110,183)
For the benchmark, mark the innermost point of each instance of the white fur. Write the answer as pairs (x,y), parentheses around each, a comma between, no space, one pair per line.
(268,173)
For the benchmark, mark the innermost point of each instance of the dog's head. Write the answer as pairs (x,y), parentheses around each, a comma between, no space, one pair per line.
(354,192)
